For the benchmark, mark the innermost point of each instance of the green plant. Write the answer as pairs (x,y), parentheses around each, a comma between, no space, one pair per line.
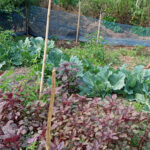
(33,146)
(140,31)
(113,26)
(5,81)
(9,6)
(22,53)
(6,43)
(104,82)
(94,53)
(67,3)
(134,85)
(134,13)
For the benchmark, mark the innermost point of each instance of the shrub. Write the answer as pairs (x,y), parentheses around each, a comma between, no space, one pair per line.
(67,3)
(135,13)
(95,54)
(6,42)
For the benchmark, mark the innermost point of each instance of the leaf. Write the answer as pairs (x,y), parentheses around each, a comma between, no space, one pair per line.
(75,59)
(55,56)
(2,64)
(117,81)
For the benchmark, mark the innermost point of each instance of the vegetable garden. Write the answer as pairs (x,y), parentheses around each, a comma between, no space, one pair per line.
(102,95)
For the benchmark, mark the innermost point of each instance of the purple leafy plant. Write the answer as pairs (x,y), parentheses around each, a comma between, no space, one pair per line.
(67,75)
(78,123)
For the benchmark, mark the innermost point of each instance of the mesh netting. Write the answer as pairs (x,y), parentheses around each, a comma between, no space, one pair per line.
(15,22)
(63,25)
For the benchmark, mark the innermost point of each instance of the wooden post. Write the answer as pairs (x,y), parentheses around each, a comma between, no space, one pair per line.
(78,25)
(50,112)
(99,26)
(45,49)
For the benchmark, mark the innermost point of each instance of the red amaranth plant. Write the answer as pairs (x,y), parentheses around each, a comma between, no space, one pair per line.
(88,124)
(67,74)
(78,123)
(22,125)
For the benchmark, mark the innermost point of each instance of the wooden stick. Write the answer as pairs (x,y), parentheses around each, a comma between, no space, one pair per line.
(45,49)
(78,25)
(50,112)
(99,26)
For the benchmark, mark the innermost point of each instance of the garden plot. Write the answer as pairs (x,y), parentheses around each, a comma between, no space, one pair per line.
(96,105)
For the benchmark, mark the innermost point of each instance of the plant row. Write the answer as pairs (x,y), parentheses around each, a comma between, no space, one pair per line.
(78,123)
(79,75)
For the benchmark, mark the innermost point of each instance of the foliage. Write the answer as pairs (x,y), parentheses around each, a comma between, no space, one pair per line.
(140,31)
(22,53)
(124,11)
(6,43)
(9,6)
(104,82)
(113,26)
(67,74)
(94,53)
(137,81)
(67,3)
(5,81)
(128,83)
(108,123)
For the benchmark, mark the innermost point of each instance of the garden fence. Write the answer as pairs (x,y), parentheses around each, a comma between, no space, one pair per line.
(63,25)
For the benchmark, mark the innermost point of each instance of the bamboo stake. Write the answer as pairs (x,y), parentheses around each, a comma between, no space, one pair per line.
(45,48)
(78,25)
(50,112)
(99,26)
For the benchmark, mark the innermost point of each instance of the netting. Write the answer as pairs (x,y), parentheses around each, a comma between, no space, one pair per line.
(63,26)
(15,22)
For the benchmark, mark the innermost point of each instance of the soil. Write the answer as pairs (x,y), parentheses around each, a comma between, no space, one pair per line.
(1,73)
(66,44)
(17,72)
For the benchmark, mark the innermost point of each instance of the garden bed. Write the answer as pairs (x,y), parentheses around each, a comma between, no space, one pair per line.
(87,112)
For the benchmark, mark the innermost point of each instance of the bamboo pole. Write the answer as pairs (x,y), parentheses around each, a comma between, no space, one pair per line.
(45,49)
(78,24)
(99,26)
(50,112)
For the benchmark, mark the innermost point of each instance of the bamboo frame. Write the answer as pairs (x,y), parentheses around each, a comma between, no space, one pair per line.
(78,24)
(99,27)
(50,112)
(45,49)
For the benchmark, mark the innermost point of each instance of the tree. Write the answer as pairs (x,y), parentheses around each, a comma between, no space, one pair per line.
(11,5)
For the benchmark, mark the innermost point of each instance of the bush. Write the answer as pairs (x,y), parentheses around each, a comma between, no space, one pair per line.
(94,53)
(132,14)
(6,43)
(67,3)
